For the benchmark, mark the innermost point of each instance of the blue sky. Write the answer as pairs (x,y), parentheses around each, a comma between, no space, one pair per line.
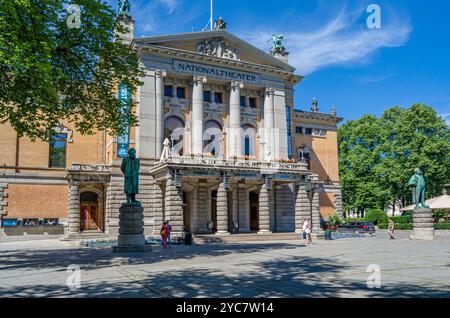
(345,63)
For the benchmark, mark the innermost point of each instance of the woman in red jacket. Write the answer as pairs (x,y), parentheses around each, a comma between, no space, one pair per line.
(164,234)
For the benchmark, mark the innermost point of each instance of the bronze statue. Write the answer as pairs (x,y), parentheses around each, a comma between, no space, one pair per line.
(277,44)
(417,181)
(130,168)
(220,24)
(123,7)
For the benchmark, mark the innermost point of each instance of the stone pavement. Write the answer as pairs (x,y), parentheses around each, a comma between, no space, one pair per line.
(270,269)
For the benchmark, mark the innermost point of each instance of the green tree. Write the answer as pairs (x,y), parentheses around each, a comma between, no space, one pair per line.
(377,156)
(359,161)
(50,72)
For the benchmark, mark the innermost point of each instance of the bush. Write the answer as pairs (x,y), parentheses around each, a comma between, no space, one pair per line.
(375,216)
(348,220)
(406,219)
(442,226)
(400,227)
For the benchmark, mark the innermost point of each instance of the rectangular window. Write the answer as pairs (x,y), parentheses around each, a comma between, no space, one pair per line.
(298,130)
(168,91)
(242,101)
(181,92)
(57,156)
(247,146)
(308,131)
(218,98)
(206,96)
(253,102)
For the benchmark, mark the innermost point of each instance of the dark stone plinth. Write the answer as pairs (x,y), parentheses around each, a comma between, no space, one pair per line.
(131,230)
(423,224)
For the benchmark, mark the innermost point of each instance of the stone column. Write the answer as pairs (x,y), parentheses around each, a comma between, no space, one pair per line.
(222,211)
(174,208)
(338,203)
(302,208)
(159,79)
(197,115)
(234,133)
(131,230)
(268,123)
(264,210)
(74,208)
(174,91)
(315,215)
(423,225)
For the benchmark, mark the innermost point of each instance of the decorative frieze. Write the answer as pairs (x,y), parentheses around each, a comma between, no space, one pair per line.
(218,48)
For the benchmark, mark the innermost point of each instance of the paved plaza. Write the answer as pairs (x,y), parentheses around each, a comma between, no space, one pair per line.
(270,269)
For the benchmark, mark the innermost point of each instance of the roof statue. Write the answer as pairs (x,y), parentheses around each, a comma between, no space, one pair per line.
(220,24)
(315,106)
(123,7)
(277,44)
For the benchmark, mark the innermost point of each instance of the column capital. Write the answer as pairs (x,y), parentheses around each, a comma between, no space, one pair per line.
(236,85)
(199,80)
(269,91)
(160,73)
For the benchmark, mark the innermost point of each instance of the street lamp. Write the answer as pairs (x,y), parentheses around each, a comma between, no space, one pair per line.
(308,183)
(269,183)
(178,179)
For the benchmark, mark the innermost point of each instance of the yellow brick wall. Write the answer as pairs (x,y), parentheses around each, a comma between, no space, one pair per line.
(326,201)
(42,201)
(7,145)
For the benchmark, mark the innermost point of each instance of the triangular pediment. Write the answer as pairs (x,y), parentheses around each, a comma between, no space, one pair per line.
(219,44)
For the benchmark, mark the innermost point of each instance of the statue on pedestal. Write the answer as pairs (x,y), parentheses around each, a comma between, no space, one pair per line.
(123,7)
(417,182)
(130,168)
(277,44)
(166,151)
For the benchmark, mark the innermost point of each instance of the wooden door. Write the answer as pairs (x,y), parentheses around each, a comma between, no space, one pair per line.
(254,211)
(214,211)
(89,217)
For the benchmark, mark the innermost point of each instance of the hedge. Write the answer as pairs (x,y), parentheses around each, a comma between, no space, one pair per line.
(400,226)
(385,226)
(442,226)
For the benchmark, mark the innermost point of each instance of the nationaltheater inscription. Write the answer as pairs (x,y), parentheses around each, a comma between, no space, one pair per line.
(207,70)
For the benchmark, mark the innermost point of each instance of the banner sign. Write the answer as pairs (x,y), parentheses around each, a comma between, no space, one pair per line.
(123,142)
(289,132)
(214,71)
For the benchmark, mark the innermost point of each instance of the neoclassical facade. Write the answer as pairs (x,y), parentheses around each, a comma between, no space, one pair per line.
(223,149)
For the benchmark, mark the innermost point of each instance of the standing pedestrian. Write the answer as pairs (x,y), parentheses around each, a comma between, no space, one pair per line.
(391,229)
(169,230)
(305,226)
(308,232)
(163,233)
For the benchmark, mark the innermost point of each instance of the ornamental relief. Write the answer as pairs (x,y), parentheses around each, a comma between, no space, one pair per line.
(218,48)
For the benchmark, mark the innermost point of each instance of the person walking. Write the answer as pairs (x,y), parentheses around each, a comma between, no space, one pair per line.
(308,233)
(305,226)
(391,229)
(163,233)
(169,230)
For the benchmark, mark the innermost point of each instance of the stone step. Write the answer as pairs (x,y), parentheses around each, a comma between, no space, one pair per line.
(245,238)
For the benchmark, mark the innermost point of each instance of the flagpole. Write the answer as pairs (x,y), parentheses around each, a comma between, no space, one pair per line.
(211,20)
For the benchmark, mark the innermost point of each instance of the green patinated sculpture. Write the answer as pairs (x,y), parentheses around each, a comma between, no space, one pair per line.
(277,44)
(417,181)
(130,168)
(124,7)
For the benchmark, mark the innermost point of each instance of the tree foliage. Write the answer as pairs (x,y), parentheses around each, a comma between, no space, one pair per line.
(377,156)
(50,73)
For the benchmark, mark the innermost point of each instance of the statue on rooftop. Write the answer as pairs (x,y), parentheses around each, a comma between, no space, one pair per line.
(124,7)
(220,24)
(277,44)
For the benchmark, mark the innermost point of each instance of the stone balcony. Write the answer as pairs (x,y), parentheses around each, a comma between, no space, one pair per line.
(88,172)
(218,164)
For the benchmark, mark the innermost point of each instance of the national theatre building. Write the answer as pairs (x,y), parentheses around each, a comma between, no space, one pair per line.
(223,150)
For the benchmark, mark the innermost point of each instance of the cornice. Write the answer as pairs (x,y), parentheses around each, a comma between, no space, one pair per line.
(318,116)
(215,61)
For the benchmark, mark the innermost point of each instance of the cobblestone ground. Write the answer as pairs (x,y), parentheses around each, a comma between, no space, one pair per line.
(271,269)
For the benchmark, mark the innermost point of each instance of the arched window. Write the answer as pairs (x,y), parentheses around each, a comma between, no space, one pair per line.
(211,138)
(174,131)
(249,141)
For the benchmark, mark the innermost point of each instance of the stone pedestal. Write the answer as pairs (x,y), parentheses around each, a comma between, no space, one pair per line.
(131,230)
(222,211)
(264,210)
(423,225)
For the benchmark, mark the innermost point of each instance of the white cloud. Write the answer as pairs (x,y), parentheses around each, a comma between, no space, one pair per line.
(446,117)
(170,4)
(340,42)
